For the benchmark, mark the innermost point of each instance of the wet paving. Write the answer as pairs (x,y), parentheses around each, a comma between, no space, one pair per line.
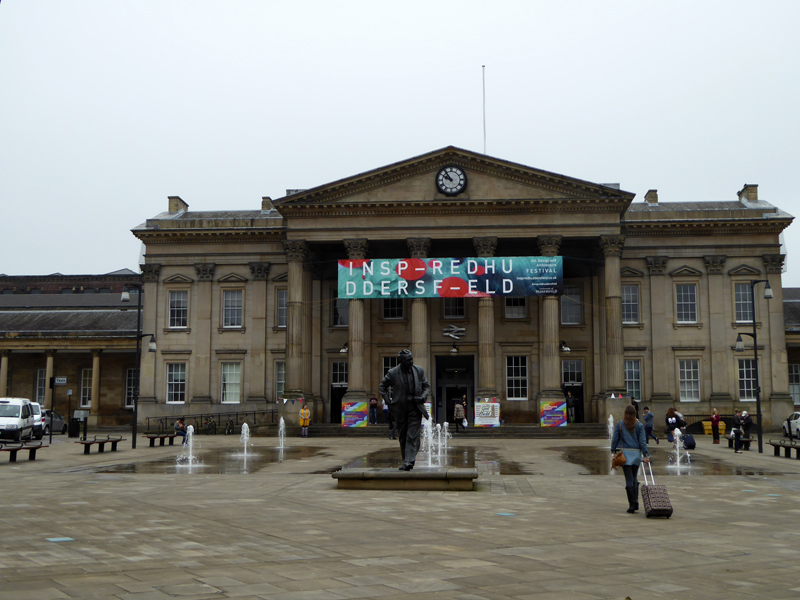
(597,461)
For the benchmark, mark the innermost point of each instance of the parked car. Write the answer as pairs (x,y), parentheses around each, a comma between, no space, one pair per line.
(38,426)
(791,426)
(16,418)
(59,424)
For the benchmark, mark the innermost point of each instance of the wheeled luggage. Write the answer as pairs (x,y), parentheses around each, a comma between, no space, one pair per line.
(688,442)
(655,498)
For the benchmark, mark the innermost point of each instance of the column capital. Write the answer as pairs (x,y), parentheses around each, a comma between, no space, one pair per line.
(418,247)
(50,352)
(205,271)
(549,245)
(259,270)
(656,264)
(612,245)
(5,352)
(773,263)
(356,248)
(715,264)
(484,246)
(296,250)
(96,352)
(150,273)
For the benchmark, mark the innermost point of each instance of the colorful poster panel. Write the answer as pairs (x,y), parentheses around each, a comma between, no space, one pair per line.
(553,414)
(487,414)
(355,414)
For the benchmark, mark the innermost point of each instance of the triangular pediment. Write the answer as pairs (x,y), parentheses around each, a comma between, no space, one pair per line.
(489,180)
(685,271)
(232,278)
(630,272)
(178,279)
(280,278)
(745,270)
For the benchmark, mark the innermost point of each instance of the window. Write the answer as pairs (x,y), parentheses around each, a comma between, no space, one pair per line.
(131,378)
(178,308)
(686,302)
(571,305)
(389,363)
(454,308)
(41,385)
(232,308)
(176,383)
(633,378)
(689,374)
(231,383)
(280,379)
(571,371)
(743,294)
(281,303)
(339,373)
(515,308)
(341,311)
(393,308)
(86,388)
(794,383)
(516,377)
(747,379)
(630,304)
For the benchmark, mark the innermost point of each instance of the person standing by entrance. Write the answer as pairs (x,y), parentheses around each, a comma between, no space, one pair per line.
(305,420)
(373,410)
(459,415)
(571,401)
(715,419)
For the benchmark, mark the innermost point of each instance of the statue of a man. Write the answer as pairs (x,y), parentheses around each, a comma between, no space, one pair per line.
(407,404)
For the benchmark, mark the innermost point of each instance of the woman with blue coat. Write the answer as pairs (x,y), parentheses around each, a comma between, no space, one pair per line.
(629,435)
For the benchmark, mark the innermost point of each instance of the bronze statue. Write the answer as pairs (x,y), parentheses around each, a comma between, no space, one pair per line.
(407,404)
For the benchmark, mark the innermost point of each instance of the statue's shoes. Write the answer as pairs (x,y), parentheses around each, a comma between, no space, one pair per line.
(407,467)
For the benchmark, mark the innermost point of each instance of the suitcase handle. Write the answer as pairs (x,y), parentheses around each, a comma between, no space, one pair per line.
(652,479)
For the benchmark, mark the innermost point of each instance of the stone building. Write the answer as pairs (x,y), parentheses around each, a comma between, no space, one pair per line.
(246,309)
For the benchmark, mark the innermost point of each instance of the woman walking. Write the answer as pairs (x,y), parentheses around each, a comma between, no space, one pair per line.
(629,435)
(459,415)
(305,420)
(715,419)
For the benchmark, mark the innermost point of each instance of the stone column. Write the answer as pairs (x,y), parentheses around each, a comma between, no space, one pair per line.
(660,297)
(487,387)
(296,251)
(258,345)
(4,372)
(48,391)
(719,332)
(306,351)
(201,323)
(615,371)
(774,370)
(148,362)
(356,391)
(94,410)
(420,331)
(549,367)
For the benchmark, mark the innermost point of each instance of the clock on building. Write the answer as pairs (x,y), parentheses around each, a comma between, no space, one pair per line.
(451,180)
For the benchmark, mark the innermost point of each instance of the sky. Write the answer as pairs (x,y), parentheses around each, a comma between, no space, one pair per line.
(107,107)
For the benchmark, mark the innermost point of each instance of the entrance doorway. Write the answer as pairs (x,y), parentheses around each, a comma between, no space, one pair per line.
(455,378)
(337,393)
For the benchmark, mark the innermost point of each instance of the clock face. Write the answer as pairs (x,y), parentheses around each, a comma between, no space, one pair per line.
(451,180)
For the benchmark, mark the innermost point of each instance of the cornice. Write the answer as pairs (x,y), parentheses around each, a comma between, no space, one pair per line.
(201,236)
(764,226)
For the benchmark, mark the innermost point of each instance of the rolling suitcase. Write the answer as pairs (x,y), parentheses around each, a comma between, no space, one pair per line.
(655,498)
(688,442)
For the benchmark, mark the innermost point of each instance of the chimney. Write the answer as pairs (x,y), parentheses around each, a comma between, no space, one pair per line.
(749,192)
(176,204)
(266,204)
(651,197)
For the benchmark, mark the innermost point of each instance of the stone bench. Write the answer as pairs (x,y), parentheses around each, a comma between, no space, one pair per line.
(14,447)
(419,479)
(787,446)
(743,440)
(160,437)
(101,442)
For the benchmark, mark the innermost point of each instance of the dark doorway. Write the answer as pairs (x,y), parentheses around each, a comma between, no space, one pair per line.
(577,391)
(337,393)
(455,378)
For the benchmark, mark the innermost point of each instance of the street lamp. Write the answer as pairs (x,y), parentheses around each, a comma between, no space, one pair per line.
(151,347)
(740,348)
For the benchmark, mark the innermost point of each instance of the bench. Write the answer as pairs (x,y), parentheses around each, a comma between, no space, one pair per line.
(745,441)
(161,437)
(13,447)
(788,446)
(101,442)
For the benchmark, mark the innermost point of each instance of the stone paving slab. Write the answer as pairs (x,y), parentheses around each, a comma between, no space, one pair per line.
(286,532)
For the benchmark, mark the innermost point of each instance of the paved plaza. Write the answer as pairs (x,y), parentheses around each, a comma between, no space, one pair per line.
(283,531)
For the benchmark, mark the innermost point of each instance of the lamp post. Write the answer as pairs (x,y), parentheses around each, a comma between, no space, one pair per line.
(740,348)
(126,297)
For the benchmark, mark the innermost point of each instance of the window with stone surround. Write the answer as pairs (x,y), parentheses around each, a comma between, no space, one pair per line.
(516,377)
(743,296)
(178,309)
(232,308)
(231,379)
(630,304)
(176,383)
(747,379)
(689,379)
(86,388)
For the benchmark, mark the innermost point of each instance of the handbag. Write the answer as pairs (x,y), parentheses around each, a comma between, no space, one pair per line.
(464,423)
(618,460)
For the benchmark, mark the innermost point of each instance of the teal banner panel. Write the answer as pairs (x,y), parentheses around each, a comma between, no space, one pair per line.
(451,277)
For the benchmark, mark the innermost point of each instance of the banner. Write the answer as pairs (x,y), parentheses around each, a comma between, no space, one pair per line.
(354,414)
(553,414)
(451,277)
(487,414)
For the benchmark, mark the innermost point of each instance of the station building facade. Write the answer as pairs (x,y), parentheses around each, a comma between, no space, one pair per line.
(246,310)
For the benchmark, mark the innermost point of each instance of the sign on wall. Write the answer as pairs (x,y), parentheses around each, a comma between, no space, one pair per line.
(553,413)
(487,414)
(354,414)
(451,277)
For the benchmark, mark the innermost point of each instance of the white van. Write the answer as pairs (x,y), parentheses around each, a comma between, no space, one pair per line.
(16,418)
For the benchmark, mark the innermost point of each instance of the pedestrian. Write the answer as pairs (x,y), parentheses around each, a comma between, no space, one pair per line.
(180,429)
(715,419)
(373,410)
(466,410)
(459,415)
(629,435)
(674,421)
(736,431)
(635,405)
(747,423)
(389,420)
(305,420)
(648,425)
(571,402)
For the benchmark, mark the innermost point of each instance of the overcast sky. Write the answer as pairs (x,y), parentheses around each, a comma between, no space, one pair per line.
(107,107)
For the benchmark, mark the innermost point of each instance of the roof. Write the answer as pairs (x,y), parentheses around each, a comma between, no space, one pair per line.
(107,323)
(70,301)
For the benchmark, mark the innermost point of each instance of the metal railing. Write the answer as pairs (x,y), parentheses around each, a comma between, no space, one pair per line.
(222,421)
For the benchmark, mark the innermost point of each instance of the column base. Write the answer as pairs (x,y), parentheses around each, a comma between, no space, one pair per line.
(355,396)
